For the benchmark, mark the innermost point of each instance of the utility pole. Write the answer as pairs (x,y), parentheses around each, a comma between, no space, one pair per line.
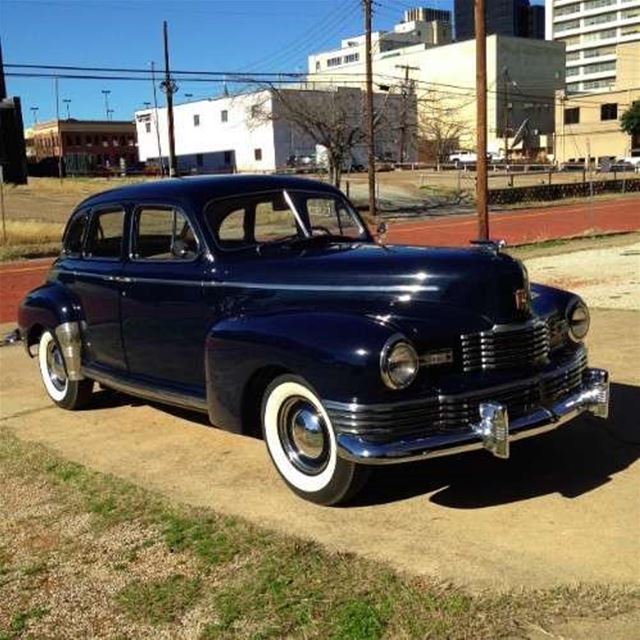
(59,126)
(481,122)
(505,116)
(406,92)
(369,111)
(106,93)
(169,87)
(155,113)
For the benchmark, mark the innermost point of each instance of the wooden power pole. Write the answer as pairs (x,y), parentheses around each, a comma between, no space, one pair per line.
(481,122)
(369,111)
(169,87)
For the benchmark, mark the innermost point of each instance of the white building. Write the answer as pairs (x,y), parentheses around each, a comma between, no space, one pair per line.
(523,75)
(251,133)
(421,26)
(591,29)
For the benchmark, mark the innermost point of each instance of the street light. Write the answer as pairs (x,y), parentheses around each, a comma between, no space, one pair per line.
(106,93)
(67,102)
(34,111)
(146,104)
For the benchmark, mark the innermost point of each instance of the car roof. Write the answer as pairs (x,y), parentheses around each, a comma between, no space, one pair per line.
(201,189)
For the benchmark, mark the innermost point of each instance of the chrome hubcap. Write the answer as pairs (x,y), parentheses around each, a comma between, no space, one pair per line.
(55,366)
(303,434)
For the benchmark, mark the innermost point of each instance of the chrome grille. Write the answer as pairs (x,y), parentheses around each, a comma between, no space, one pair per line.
(454,413)
(506,346)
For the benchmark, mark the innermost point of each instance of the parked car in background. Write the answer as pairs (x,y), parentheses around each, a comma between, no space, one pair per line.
(265,302)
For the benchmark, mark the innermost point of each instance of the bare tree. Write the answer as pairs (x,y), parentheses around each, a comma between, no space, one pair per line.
(330,118)
(441,125)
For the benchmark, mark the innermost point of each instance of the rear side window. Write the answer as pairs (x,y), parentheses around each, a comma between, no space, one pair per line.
(105,234)
(74,237)
(163,233)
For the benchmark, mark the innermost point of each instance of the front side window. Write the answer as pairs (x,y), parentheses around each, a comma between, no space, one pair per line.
(329,215)
(283,217)
(163,233)
(105,234)
(74,237)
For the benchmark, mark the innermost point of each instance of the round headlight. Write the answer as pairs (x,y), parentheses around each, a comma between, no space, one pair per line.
(398,363)
(579,320)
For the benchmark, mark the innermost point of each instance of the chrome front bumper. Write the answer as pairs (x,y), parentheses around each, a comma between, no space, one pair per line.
(493,431)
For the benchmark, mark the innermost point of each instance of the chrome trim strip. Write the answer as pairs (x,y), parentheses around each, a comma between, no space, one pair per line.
(577,358)
(184,400)
(409,288)
(592,397)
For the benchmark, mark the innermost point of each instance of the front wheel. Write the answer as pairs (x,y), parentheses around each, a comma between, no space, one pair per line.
(68,394)
(301,442)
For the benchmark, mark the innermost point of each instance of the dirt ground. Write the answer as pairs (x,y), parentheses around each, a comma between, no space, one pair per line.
(605,277)
(564,509)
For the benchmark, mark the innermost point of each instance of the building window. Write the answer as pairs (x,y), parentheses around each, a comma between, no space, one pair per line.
(604,17)
(317,65)
(566,10)
(334,62)
(199,160)
(353,57)
(255,110)
(224,116)
(196,120)
(572,116)
(597,84)
(599,67)
(227,158)
(257,154)
(609,111)
(566,26)
(147,127)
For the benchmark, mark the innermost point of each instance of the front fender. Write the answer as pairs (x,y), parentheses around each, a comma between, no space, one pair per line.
(337,353)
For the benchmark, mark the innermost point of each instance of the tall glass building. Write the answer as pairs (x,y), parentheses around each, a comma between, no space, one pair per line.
(591,29)
(505,17)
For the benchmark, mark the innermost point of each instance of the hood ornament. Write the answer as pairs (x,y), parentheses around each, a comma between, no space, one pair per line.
(490,245)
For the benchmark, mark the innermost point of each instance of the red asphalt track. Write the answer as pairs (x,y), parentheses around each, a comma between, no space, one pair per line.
(516,227)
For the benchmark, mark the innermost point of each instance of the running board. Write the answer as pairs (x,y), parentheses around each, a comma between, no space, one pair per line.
(147,391)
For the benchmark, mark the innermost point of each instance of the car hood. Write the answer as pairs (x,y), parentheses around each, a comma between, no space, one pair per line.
(475,280)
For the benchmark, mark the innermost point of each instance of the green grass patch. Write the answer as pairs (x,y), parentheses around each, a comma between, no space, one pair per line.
(160,601)
(20,623)
(246,582)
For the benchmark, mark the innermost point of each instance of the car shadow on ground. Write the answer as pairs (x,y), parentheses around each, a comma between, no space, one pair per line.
(108,399)
(573,460)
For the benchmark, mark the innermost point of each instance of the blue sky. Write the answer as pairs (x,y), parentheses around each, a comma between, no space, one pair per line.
(211,35)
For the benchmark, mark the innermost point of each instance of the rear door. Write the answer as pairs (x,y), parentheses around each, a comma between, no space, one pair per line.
(164,318)
(96,283)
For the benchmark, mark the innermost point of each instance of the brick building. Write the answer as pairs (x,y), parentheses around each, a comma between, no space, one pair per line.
(86,146)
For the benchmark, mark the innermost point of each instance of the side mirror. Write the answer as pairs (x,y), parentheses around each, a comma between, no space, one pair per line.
(381,232)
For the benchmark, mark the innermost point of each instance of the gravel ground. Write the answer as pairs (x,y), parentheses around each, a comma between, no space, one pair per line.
(608,278)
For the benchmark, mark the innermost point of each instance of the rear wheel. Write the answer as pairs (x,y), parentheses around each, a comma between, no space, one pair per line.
(302,445)
(68,394)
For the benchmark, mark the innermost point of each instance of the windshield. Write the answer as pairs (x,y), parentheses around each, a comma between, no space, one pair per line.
(279,217)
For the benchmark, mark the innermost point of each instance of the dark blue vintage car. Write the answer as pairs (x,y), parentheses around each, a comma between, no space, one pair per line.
(265,302)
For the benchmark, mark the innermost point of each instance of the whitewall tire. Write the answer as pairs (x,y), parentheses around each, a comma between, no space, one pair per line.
(68,394)
(302,444)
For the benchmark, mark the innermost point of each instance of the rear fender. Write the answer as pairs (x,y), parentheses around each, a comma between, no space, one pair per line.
(51,307)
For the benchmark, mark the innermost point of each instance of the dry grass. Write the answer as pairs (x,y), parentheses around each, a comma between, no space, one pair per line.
(98,557)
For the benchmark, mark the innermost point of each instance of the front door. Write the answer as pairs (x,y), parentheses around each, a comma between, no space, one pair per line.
(164,318)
